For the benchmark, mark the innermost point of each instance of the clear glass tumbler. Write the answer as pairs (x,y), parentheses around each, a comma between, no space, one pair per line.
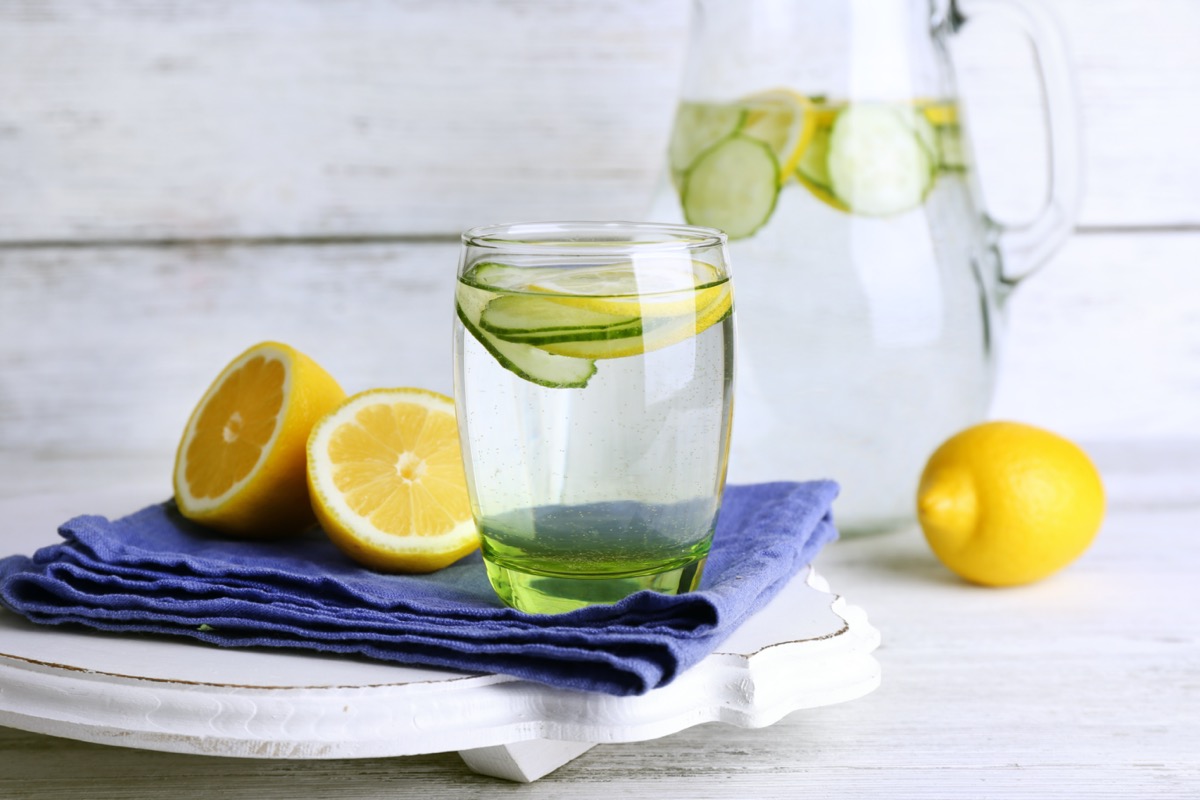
(593,384)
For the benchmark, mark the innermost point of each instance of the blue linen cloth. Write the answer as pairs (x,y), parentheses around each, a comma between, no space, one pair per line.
(155,572)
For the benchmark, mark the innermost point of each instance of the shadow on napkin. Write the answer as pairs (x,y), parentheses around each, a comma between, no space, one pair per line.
(155,572)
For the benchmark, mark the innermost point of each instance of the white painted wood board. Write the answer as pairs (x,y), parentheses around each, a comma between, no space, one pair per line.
(806,648)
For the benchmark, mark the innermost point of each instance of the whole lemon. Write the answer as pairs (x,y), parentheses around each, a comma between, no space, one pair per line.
(1004,503)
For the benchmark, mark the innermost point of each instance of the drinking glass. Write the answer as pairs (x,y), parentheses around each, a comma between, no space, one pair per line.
(593,385)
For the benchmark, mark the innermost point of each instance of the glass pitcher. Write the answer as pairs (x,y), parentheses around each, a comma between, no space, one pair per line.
(824,137)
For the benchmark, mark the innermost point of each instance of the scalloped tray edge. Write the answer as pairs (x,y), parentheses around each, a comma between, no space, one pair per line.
(467,713)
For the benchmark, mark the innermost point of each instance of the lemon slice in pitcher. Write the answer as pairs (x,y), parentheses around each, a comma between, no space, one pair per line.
(783,120)
(812,170)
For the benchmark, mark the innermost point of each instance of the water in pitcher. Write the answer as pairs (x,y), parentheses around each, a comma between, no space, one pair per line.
(850,225)
(824,138)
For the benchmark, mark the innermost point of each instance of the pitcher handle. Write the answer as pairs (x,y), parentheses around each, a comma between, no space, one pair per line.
(1028,245)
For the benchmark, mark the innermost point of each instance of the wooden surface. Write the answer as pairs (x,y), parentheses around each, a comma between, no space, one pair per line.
(181,178)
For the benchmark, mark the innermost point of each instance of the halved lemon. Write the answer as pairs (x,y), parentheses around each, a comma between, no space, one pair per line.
(386,476)
(240,466)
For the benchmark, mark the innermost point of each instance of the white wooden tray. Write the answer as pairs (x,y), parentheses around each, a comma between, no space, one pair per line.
(807,648)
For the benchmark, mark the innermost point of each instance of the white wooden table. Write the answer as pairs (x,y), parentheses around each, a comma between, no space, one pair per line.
(157,215)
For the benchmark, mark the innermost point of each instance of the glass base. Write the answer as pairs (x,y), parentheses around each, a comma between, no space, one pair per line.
(541,593)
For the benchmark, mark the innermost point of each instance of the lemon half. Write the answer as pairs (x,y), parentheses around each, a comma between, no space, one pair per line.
(386,475)
(240,466)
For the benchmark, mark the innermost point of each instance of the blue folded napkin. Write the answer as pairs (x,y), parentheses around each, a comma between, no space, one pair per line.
(155,572)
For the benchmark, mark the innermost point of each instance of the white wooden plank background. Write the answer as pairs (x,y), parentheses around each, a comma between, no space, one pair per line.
(108,348)
(203,118)
(304,118)
(299,124)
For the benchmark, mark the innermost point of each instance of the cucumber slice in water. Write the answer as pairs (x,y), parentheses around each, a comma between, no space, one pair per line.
(656,333)
(879,162)
(732,186)
(543,319)
(525,360)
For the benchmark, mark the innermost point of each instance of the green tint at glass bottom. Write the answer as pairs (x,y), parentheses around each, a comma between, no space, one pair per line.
(565,558)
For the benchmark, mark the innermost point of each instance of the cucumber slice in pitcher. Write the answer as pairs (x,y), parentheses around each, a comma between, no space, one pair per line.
(950,148)
(943,119)
(732,186)
(525,360)
(697,127)
(879,163)
(813,166)
(812,169)
(784,119)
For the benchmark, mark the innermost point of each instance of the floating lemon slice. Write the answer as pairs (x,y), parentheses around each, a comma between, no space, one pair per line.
(655,333)
(609,311)
(812,170)
(663,287)
(240,466)
(783,119)
(939,112)
(385,471)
